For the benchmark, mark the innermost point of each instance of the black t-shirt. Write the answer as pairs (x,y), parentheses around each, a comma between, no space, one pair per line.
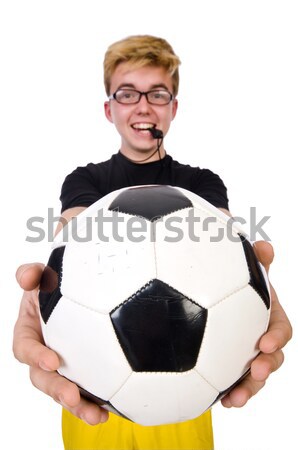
(86,185)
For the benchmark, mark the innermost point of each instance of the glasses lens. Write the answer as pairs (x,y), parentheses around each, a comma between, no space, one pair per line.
(159,97)
(127,96)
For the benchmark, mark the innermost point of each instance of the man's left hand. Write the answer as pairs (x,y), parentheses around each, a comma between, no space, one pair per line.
(271,355)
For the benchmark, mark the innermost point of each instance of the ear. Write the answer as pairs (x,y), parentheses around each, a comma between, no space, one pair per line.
(174,108)
(107,108)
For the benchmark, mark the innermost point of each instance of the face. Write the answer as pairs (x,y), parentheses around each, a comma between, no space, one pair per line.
(130,120)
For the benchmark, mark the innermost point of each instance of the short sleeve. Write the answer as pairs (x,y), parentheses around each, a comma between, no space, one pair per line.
(80,188)
(209,186)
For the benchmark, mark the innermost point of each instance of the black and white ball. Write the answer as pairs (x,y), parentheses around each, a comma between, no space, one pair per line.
(155,303)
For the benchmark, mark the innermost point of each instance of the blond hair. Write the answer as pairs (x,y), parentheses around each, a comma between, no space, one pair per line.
(140,51)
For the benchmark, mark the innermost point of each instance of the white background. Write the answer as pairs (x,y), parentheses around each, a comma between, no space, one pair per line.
(238,117)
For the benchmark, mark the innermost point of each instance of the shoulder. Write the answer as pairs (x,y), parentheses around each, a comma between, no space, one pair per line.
(84,185)
(90,170)
(197,173)
(203,182)
(91,174)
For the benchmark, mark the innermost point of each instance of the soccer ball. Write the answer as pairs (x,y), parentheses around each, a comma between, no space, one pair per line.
(155,302)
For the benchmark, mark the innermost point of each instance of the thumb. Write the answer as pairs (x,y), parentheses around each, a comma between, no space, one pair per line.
(264,252)
(29,275)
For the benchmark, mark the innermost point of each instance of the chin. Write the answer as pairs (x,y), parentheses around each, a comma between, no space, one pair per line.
(143,149)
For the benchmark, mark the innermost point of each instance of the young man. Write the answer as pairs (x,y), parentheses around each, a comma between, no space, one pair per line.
(141,80)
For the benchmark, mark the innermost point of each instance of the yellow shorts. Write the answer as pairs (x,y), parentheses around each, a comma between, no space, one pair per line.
(121,434)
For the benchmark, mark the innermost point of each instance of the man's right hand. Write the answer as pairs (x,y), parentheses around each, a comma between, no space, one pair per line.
(29,348)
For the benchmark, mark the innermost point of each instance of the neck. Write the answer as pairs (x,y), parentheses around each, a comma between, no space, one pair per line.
(149,156)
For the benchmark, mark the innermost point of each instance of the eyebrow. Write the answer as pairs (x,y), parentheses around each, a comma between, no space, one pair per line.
(153,86)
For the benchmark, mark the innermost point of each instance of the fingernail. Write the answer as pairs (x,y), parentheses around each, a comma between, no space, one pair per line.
(43,366)
(104,416)
(83,417)
(273,349)
(62,402)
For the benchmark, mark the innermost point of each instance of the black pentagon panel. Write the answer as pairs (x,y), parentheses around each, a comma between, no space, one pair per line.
(160,329)
(50,294)
(257,280)
(150,202)
(100,402)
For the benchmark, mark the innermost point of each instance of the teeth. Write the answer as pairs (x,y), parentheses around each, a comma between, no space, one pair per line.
(142,126)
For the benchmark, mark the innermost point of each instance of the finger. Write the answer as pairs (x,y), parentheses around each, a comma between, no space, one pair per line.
(91,413)
(279,330)
(261,368)
(67,394)
(240,395)
(275,339)
(29,275)
(35,354)
(265,364)
(264,252)
(56,386)
(28,344)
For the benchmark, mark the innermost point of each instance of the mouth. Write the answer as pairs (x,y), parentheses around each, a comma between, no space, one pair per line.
(143,128)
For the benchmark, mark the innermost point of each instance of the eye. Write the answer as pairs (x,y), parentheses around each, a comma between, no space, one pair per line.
(158,94)
(159,97)
(127,94)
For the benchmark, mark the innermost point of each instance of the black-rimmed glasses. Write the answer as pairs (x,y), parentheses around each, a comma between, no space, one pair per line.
(132,96)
